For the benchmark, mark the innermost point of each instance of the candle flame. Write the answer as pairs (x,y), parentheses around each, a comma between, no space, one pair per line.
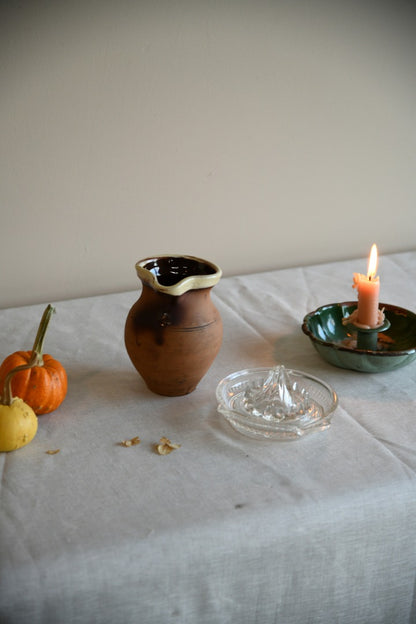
(372,263)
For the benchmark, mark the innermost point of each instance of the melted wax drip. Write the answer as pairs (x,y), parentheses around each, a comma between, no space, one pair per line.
(278,398)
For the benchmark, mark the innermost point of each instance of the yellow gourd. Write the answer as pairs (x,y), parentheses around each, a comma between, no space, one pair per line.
(18,421)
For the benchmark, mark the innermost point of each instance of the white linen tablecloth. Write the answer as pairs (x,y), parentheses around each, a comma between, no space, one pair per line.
(225,529)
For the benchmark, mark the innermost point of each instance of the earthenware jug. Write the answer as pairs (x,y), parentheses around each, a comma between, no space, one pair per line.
(174,331)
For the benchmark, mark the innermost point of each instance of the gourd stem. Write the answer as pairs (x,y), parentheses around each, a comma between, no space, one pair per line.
(37,349)
(7,396)
(36,358)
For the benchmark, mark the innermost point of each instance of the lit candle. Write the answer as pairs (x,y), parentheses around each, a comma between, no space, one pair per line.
(368,288)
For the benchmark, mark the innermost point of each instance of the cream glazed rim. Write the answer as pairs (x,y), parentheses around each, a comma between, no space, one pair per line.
(190,282)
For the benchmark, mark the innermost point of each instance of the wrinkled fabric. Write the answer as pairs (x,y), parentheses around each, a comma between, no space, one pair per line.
(225,528)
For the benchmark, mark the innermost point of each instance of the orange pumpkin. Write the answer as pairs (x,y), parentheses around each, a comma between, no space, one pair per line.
(41,381)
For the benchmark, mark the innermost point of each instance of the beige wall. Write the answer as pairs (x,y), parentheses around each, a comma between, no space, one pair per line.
(255,134)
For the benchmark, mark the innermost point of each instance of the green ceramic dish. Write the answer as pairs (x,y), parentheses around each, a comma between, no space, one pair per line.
(336,343)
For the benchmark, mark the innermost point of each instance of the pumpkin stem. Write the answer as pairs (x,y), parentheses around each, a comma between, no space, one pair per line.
(36,359)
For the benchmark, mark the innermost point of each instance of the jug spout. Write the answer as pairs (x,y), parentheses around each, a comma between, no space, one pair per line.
(175,275)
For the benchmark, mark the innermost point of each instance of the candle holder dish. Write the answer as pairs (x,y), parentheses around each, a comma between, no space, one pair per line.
(275,404)
(392,345)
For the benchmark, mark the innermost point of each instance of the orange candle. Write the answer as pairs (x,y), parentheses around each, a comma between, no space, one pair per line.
(368,287)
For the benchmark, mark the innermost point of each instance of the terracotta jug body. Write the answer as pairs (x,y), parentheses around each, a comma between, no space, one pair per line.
(174,331)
